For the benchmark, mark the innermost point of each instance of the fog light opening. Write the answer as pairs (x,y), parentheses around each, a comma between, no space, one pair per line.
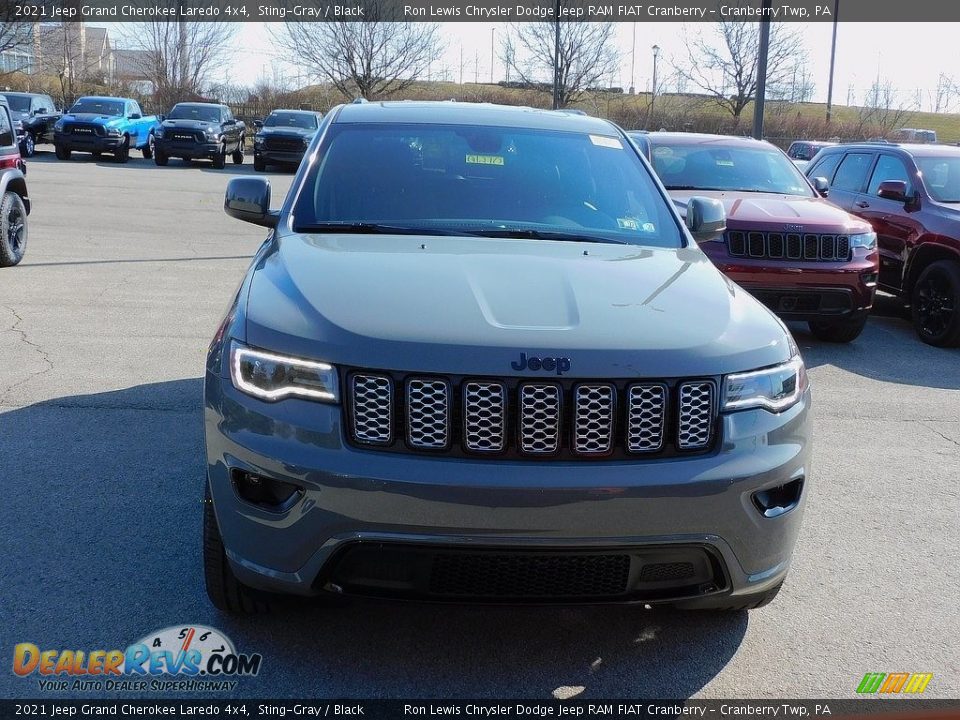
(776,501)
(270,494)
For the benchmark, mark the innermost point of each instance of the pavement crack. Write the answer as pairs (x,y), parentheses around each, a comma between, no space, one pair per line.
(945,437)
(44,355)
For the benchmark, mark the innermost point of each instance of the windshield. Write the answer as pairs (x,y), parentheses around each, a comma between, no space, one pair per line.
(307,121)
(200,113)
(98,107)
(941,177)
(18,103)
(712,166)
(474,180)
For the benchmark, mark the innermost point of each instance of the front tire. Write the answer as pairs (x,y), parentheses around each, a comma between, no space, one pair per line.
(258,164)
(160,157)
(220,159)
(13,229)
(122,153)
(935,302)
(237,156)
(29,145)
(224,590)
(148,149)
(61,152)
(838,331)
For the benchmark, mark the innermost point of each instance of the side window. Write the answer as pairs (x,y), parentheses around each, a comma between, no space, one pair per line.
(852,172)
(6,129)
(826,166)
(48,103)
(889,168)
(225,114)
(135,108)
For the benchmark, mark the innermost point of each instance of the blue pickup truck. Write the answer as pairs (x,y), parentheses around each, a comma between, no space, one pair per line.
(105,125)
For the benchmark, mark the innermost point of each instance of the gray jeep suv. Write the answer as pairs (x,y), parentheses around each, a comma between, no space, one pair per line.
(480,357)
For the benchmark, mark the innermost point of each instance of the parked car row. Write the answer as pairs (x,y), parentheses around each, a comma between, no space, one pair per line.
(190,131)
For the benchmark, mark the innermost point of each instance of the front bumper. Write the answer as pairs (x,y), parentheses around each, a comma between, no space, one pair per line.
(804,290)
(187,149)
(352,497)
(279,156)
(87,143)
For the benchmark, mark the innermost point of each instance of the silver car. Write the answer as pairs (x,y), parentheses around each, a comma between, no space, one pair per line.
(480,357)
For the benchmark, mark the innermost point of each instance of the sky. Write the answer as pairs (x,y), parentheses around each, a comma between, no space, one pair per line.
(910,55)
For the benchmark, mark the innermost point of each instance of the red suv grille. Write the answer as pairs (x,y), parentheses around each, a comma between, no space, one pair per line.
(788,246)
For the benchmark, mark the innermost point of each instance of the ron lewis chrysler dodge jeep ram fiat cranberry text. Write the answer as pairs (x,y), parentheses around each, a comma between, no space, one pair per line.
(480,357)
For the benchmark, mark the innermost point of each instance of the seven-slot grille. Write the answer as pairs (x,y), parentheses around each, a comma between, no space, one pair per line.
(530,418)
(788,246)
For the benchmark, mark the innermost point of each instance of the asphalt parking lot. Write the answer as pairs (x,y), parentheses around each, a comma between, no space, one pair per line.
(103,331)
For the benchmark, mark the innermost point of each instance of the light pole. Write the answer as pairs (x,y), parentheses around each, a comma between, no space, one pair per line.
(833,57)
(761,96)
(556,58)
(493,32)
(653,84)
(633,61)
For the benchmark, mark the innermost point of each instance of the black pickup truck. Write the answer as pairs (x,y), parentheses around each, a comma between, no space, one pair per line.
(200,130)
(36,114)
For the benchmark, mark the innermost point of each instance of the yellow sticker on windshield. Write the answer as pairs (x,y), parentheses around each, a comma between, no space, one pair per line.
(484,159)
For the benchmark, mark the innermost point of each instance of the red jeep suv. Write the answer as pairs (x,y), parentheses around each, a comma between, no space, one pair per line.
(910,194)
(785,244)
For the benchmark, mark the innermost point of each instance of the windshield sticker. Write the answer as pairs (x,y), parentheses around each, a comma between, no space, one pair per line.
(725,163)
(629,223)
(484,159)
(604,141)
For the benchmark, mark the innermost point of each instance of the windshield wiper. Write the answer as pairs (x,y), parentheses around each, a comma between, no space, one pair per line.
(527,233)
(363,228)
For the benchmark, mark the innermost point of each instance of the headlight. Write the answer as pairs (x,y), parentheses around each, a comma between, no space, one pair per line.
(269,376)
(775,388)
(257,141)
(213,133)
(58,126)
(864,240)
(113,132)
(158,133)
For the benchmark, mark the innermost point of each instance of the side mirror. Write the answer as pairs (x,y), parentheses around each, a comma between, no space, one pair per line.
(822,186)
(42,111)
(258,124)
(230,121)
(135,116)
(248,199)
(706,218)
(893,190)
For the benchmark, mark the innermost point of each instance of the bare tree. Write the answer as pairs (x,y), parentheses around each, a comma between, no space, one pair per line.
(375,58)
(66,56)
(882,112)
(588,55)
(14,35)
(722,62)
(178,57)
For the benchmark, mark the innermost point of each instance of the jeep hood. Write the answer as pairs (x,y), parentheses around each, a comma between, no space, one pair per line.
(471,305)
(771,211)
